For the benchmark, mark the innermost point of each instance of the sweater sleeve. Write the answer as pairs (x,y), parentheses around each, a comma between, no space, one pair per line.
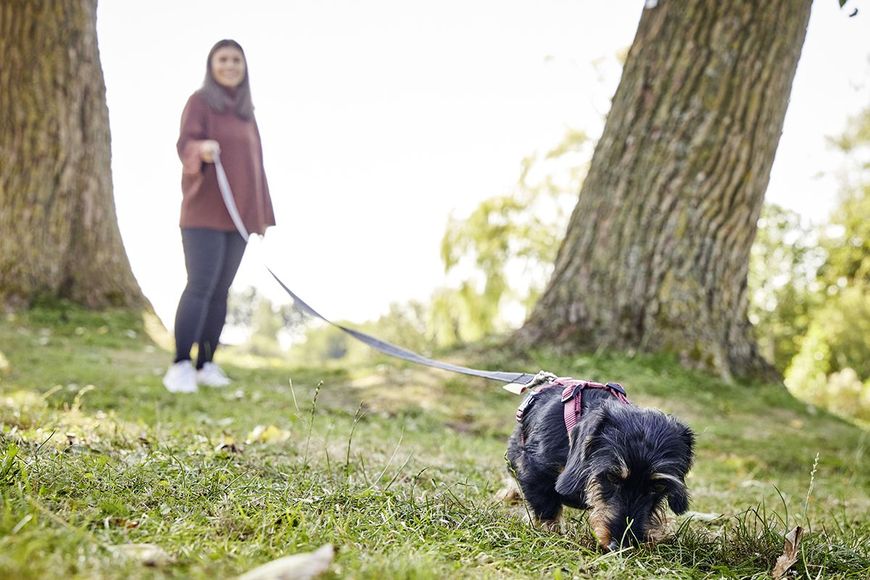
(193,133)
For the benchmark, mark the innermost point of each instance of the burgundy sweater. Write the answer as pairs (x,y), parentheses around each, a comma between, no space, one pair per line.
(242,158)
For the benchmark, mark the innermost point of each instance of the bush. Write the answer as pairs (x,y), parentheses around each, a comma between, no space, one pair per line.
(832,368)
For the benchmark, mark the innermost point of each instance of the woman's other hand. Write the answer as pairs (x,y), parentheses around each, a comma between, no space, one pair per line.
(208,150)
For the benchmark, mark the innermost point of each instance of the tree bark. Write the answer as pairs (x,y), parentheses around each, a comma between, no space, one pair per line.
(656,254)
(59,236)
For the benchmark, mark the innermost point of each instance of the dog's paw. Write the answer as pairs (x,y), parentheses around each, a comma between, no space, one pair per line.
(552,526)
(510,493)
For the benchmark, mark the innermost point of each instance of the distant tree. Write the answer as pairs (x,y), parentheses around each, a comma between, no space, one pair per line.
(59,234)
(264,321)
(847,242)
(783,282)
(847,239)
(657,250)
(504,250)
(832,368)
(241,306)
(265,325)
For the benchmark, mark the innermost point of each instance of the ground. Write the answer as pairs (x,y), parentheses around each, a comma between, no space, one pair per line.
(397,466)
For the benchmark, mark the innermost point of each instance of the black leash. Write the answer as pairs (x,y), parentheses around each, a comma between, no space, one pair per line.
(517,382)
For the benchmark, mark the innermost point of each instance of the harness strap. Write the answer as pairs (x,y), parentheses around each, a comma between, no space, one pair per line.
(572,400)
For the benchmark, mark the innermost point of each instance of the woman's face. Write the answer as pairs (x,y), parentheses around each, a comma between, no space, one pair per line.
(228,66)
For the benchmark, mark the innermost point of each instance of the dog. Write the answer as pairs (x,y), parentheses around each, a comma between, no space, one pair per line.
(584,445)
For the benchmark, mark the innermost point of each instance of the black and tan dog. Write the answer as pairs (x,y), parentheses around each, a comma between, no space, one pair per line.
(583,445)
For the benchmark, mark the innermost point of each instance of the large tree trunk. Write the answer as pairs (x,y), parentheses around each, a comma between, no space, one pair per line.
(59,234)
(656,253)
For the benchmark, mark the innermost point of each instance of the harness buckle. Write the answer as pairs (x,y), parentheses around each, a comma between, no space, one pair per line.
(524,406)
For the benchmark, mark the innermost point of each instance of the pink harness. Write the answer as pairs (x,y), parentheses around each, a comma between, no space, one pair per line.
(572,398)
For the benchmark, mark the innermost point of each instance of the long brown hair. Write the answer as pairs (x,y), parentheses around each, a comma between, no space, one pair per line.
(217,96)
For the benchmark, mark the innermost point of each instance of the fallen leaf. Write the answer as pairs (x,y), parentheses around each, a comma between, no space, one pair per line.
(295,567)
(228,447)
(269,434)
(789,553)
(147,554)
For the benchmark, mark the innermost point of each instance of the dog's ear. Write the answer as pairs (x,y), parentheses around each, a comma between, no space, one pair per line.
(687,436)
(678,498)
(572,480)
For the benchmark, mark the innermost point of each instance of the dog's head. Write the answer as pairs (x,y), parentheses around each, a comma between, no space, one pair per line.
(627,463)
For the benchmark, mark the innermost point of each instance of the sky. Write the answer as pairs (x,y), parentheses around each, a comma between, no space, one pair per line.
(381,119)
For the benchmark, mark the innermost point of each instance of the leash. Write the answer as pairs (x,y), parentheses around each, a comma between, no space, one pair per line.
(516,382)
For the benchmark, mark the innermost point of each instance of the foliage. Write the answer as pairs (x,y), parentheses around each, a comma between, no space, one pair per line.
(396,467)
(505,249)
(857,136)
(833,366)
(847,243)
(322,344)
(265,321)
(782,280)
(405,325)
(265,326)
(847,240)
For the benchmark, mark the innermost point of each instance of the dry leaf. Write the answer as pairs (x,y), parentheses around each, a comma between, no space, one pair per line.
(270,434)
(228,446)
(295,567)
(147,554)
(789,553)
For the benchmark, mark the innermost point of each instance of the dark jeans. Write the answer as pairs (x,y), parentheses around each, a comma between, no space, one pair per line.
(212,258)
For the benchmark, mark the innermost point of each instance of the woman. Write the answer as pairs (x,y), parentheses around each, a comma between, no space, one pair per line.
(218,119)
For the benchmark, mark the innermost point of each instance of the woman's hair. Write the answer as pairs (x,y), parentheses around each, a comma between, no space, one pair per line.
(217,96)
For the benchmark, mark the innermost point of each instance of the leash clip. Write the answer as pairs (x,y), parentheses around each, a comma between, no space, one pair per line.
(542,378)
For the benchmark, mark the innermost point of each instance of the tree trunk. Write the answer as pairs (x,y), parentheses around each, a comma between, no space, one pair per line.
(59,234)
(657,250)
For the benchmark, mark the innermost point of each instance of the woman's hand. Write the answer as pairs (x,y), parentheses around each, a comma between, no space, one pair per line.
(208,150)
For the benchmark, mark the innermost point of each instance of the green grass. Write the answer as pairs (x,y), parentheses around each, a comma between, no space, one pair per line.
(396,466)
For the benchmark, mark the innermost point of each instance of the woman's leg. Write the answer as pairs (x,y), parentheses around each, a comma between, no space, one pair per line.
(234,246)
(204,252)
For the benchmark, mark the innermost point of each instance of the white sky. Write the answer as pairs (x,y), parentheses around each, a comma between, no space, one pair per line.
(380,118)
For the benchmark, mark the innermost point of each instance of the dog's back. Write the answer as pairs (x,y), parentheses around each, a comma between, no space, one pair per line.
(538,447)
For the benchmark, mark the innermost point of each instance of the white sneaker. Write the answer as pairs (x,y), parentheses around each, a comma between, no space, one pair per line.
(212,375)
(180,378)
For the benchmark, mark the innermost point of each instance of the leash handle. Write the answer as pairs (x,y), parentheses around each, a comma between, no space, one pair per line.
(517,381)
(227,195)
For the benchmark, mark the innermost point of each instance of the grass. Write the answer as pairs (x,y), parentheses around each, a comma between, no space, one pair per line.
(396,466)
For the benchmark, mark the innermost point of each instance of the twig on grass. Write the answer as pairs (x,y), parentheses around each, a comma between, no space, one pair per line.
(311,423)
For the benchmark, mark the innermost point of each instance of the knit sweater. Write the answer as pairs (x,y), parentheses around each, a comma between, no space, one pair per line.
(241,154)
